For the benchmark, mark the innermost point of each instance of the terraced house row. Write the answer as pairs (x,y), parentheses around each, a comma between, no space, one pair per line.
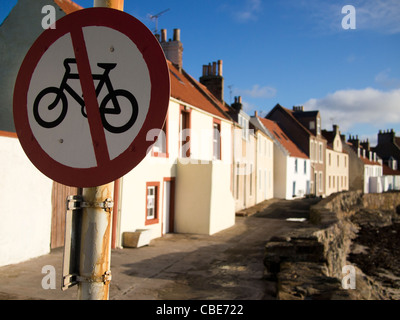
(210,161)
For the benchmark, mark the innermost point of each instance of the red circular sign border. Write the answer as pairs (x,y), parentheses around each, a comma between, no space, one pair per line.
(160,93)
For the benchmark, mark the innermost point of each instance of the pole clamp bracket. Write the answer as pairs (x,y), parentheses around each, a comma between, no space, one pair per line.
(77,203)
(105,278)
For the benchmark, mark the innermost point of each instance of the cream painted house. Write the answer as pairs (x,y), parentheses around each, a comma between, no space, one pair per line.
(264,166)
(253,160)
(336,164)
(291,166)
(183,184)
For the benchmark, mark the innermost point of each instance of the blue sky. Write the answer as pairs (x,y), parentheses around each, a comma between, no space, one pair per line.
(292,52)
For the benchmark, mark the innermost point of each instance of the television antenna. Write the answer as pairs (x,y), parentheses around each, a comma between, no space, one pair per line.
(156,16)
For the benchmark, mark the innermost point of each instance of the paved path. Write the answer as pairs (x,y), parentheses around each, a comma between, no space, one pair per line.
(227,265)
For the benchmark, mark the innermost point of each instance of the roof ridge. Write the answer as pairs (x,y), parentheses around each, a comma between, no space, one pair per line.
(68,6)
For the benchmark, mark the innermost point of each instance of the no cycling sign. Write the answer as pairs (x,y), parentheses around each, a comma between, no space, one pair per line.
(86,95)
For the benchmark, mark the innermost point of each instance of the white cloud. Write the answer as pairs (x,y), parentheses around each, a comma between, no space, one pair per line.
(244,11)
(383,78)
(326,15)
(382,15)
(349,108)
(257,92)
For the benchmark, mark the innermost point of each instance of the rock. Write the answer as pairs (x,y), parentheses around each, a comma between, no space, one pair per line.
(308,263)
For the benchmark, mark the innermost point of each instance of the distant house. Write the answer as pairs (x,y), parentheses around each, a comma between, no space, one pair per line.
(388,149)
(365,170)
(291,165)
(304,129)
(337,163)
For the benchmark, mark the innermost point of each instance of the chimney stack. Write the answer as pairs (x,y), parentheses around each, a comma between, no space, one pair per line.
(237,105)
(386,137)
(298,108)
(173,50)
(212,78)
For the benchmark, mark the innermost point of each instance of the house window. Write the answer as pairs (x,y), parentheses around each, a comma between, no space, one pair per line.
(320,181)
(251,179)
(295,166)
(184,127)
(320,153)
(244,123)
(312,154)
(217,140)
(152,194)
(237,180)
(294,189)
(312,125)
(329,159)
(318,126)
(305,166)
(338,160)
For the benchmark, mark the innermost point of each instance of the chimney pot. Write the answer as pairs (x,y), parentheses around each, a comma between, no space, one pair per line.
(214,69)
(163,35)
(256,113)
(205,68)
(177,34)
(220,68)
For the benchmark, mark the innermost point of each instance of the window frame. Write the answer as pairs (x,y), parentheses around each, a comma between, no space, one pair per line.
(156,219)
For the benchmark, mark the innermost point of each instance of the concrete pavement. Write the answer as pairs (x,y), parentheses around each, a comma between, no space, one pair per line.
(227,265)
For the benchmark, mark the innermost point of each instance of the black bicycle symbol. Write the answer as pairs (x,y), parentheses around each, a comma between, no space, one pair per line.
(105,109)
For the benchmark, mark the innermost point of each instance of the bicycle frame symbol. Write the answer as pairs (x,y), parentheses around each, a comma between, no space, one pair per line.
(60,102)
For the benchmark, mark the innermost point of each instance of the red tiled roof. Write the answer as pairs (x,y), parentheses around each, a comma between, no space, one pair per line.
(68,6)
(369,162)
(283,139)
(187,89)
(387,171)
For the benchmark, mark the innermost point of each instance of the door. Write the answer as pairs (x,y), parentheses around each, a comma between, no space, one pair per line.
(168,205)
(58,202)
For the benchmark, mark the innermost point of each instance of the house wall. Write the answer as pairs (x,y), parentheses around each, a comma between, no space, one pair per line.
(356,169)
(390,183)
(16,39)
(201,200)
(337,171)
(200,188)
(264,169)
(371,184)
(25,206)
(280,174)
(301,178)
(151,169)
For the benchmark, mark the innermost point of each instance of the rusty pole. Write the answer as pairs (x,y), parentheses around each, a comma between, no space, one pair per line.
(95,253)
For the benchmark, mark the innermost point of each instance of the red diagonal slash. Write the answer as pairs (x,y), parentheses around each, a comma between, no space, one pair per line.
(89,95)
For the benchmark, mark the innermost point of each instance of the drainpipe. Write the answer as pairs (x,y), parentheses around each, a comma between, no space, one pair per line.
(94,267)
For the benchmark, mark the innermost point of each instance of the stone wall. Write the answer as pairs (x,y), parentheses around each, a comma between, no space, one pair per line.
(307,263)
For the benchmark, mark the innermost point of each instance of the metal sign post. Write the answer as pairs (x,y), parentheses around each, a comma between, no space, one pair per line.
(95,247)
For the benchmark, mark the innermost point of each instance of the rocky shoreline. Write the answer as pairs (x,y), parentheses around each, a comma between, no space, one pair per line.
(344,229)
(376,250)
